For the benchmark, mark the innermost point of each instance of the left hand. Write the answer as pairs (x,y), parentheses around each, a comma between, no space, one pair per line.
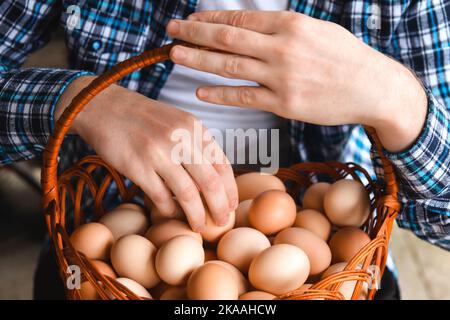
(307,69)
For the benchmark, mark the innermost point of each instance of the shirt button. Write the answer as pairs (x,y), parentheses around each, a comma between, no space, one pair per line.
(96,45)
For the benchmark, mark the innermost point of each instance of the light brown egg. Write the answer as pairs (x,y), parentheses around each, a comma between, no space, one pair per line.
(239,247)
(347,203)
(257,295)
(177,258)
(316,249)
(272,211)
(279,269)
(133,257)
(314,195)
(134,287)
(94,240)
(126,219)
(243,284)
(242,214)
(348,287)
(88,291)
(167,229)
(315,222)
(252,184)
(346,243)
(210,255)
(213,232)
(212,282)
(175,293)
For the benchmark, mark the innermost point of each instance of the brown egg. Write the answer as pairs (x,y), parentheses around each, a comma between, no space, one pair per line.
(279,269)
(167,229)
(346,243)
(251,185)
(133,257)
(257,295)
(175,293)
(177,258)
(88,291)
(130,206)
(212,282)
(213,232)
(125,219)
(242,214)
(159,289)
(348,287)
(239,247)
(315,222)
(241,281)
(316,249)
(134,287)
(272,211)
(314,195)
(347,203)
(104,268)
(210,255)
(93,239)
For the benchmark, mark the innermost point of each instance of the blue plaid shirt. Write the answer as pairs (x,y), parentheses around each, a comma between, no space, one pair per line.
(414,32)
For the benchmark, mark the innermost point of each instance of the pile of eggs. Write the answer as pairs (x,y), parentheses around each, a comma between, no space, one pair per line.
(268,247)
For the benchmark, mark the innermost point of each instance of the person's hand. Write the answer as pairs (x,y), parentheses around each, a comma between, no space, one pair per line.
(308,69)
(135,135)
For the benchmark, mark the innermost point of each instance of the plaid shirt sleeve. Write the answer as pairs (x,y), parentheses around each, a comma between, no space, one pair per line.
(421,42)
(27,96)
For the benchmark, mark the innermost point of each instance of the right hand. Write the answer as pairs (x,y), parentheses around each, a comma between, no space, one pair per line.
(133,134)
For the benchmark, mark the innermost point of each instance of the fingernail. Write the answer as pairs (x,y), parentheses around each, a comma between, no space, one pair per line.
(192,18)
(178,54)
(202,93)
(173,27)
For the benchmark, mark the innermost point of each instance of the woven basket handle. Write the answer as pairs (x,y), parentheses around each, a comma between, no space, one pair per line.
(147,58)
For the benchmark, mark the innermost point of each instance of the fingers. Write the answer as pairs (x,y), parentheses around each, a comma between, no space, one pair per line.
(224,169)
(225,65)
(225,172)
(157,191)
(211,185)
(241,96)
(268,22)
(222,37)
(186,192)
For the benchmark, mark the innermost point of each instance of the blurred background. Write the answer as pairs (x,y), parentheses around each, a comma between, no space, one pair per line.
(423,269)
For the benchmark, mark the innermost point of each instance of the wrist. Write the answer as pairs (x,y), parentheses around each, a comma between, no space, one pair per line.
(400,113)
(66,98)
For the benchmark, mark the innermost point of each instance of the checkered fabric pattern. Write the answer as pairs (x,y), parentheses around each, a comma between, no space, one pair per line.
(414,32)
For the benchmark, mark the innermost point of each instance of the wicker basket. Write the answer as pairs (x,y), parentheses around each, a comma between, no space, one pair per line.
(73,183)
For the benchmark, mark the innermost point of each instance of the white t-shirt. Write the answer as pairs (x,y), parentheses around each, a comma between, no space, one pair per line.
(182,83)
